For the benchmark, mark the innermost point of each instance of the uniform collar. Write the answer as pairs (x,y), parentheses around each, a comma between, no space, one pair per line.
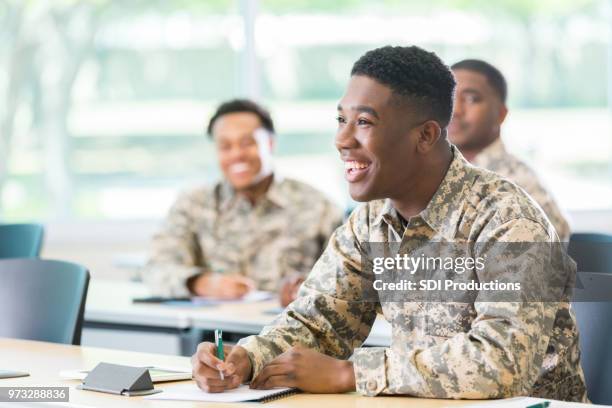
(493,151)
(445,208)
(274,195)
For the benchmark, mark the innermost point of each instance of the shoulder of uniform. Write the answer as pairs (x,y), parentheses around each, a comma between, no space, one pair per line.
(198,194)
(301,191)
(503,200)
(520,164)
(510,165)
(287,183)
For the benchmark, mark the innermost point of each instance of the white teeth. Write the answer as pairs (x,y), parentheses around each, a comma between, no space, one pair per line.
(355,165)
(238,167)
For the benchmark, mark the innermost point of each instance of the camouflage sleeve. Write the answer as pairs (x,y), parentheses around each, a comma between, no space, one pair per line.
(175,254)
(529,181)
(553,212)
(500,354)
(329,314)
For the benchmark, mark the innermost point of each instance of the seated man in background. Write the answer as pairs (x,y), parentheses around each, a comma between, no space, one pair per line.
(253,229)
(480,110)
(415,187)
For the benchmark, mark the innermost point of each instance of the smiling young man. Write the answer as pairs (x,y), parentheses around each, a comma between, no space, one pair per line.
(416,187)
(480,110)
(253,229)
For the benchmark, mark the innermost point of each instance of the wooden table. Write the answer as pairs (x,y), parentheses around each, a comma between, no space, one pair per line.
(44,361)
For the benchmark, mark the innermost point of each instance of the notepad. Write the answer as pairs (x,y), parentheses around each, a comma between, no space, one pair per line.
(191,392)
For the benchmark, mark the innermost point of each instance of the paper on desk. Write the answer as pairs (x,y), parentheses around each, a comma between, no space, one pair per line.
(191,392)
(199,301)
(524,402)
(252,296)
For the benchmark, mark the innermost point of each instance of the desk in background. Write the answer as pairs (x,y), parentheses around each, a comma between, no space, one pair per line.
(44,361)
(113,320)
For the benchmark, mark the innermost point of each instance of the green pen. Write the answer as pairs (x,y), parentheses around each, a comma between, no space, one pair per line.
(544,404)
(219,344)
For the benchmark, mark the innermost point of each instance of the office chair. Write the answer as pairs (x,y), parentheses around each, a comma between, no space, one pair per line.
(20,240)
(42,300)
(593,308)
(591,251)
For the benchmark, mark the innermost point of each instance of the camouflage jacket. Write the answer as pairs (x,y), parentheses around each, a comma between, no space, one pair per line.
(216,230)
(438,349)
(496,158)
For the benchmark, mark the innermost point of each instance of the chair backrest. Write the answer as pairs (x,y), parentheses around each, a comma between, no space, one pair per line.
(42,300)
(594,319)
(20,240)
(591,251)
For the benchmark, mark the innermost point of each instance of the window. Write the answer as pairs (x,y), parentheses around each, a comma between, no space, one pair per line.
(106,103)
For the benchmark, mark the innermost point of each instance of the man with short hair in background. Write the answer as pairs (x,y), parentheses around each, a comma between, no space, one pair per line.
(252,230)
(480,110)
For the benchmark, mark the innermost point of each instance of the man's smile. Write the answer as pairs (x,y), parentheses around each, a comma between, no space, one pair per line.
(355,170)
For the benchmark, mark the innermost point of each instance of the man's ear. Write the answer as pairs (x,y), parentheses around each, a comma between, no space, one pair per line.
(429,134)
(503,112)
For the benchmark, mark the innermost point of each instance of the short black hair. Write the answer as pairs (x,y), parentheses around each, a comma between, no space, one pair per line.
(415,74)
(494,76)
(242,105)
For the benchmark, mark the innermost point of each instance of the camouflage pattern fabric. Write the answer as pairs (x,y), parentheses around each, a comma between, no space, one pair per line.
(496,158)
(216,230)
(439,349)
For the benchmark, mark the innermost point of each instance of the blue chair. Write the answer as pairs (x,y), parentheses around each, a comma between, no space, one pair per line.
(42,300)
(591,251)
(20,240)
(593,308)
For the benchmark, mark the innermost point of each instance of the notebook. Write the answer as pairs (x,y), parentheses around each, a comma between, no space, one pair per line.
(191,392)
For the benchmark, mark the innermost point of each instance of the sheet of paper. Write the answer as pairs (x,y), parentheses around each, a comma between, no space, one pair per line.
(199,301)
(252,296)
(191,392)
(524,402)
(257,296)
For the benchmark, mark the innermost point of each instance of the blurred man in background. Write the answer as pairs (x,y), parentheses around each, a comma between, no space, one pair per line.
(480,110)
(252,230)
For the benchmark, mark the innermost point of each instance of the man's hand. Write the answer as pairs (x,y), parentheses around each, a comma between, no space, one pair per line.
(289,288)
(222,286)
(206,366)
(307,370)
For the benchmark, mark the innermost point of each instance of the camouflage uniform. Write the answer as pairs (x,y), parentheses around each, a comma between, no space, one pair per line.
(441,349)
(496,158)
(216,230)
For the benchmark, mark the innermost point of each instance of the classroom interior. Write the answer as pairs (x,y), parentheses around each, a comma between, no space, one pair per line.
(103,124)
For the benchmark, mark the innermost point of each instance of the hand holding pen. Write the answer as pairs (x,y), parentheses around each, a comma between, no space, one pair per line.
(214,374)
